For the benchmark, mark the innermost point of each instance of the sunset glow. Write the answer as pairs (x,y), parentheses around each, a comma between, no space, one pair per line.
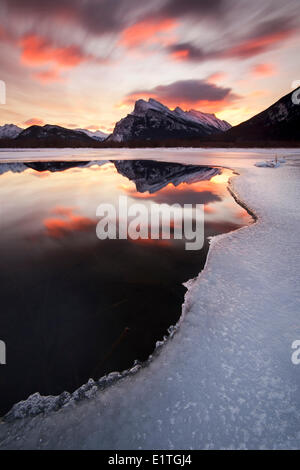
(83,64)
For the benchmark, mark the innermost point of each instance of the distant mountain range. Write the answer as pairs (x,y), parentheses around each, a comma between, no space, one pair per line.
(49,136)
(52,166)
(153,124)
(148,175)
(97,135)
(9,131)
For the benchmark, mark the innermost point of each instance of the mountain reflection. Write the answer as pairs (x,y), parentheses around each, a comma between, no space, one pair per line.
(149,175)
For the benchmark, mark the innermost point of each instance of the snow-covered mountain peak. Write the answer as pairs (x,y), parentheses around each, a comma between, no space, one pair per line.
(9,131)
(151,120)
(208,119)
(157,105)
(50,126)
(97,135)
(142,106)
(179,111)
(200,114)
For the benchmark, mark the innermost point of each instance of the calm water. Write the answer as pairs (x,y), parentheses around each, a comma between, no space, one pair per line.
(74,307)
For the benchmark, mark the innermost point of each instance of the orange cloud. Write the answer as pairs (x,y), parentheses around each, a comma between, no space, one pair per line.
(34,122)
(180,55)
(69,222)
(210,106)
(3,34)
(209,209)
(217,77)
(203,191)
(146,31)
(263,70)
(37,50)
(43,174)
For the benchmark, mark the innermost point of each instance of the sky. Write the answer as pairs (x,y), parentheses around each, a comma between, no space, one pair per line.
(83,63)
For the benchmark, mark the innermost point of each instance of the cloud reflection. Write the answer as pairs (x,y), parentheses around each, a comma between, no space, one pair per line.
(66,222)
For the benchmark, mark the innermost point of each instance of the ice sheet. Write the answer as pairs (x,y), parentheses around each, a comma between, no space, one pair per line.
(205,156)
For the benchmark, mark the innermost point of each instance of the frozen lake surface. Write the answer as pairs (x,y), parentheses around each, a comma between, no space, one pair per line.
(226,378)
(244,157)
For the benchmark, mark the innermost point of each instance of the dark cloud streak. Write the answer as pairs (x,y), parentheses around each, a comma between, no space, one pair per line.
(112,17)
(95,16)
(193,8)
(260,39)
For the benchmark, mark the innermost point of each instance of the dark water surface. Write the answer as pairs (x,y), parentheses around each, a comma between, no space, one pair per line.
(74,307)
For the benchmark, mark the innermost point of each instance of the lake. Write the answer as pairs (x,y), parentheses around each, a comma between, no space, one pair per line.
(73,306)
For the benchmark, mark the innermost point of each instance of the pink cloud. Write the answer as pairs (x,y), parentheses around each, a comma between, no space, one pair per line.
(48,76)
(264,70)
(147,31)
(37,50)
(34,122)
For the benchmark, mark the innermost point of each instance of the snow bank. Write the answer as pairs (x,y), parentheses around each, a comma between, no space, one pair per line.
(270,163)
(225,379)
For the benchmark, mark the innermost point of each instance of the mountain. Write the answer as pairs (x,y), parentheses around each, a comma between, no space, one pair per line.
(97,135)
(280,122)
(152,121)
(153,124)
(9,131)
(149,175)
(207,119)
(53,136)
(13,167)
